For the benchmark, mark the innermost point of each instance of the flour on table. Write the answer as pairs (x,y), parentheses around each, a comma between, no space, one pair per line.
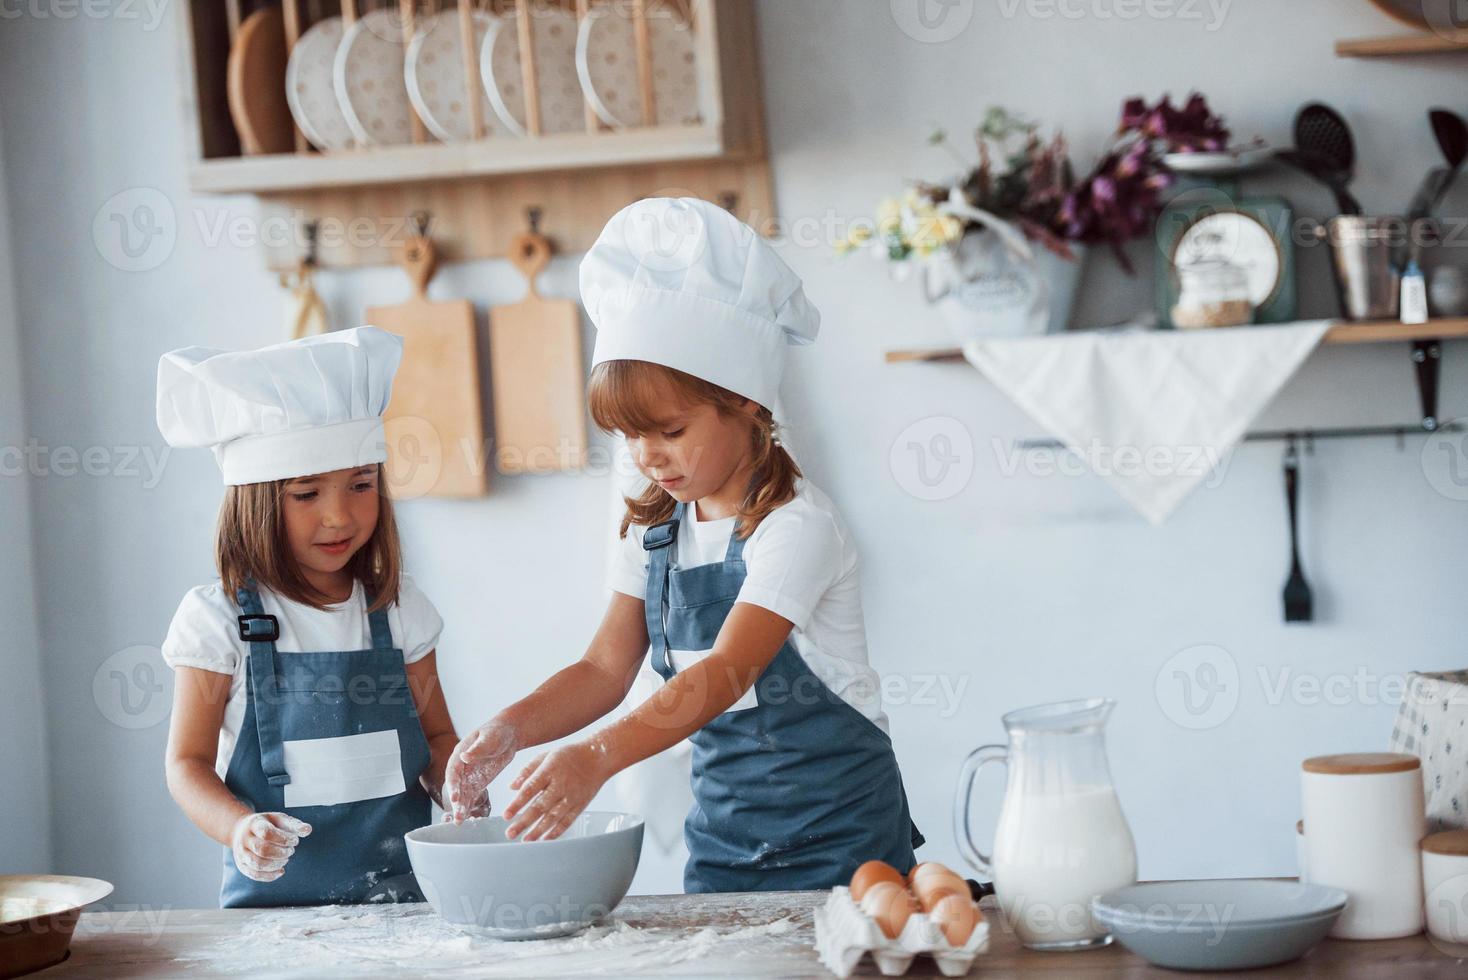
(383,940)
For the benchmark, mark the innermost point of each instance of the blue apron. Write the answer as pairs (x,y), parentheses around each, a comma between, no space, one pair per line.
(793,793)
(349,724)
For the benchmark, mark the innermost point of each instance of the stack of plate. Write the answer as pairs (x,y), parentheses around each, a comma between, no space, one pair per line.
(1220,924)
(363,85)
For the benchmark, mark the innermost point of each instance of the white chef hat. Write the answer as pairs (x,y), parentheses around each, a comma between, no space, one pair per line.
(295,409)
(683,283)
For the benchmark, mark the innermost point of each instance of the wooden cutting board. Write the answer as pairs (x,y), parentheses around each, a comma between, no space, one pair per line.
(535,364)
(255,84)
(435,424)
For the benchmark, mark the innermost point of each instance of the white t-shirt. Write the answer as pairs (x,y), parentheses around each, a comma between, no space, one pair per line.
(205,634)
(801,565)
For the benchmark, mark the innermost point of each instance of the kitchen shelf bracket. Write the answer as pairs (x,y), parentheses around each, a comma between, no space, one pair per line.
(1427,360)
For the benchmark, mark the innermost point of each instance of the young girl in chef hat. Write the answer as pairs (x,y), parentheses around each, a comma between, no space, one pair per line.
(736,572)
(309,731)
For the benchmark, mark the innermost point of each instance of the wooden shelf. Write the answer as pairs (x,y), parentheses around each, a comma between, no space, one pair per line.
(1400,45)
(1368,332)
(410,163)
(478,193)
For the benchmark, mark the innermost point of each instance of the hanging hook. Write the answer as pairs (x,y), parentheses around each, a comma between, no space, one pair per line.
(420,221)
(532,217)
(312,230)
(728,200)
(1291,453)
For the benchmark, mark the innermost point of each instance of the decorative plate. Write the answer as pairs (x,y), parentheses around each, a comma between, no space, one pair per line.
(553,39)
(310,90)
(1219,164)
(606,63)
(1427,14)
(368,74)
(436,80)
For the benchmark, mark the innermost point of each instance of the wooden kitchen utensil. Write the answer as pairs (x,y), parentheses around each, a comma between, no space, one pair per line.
(535,363)
(255,84)
(435,425)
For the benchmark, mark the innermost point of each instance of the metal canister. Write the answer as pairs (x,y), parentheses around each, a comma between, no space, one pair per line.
(1364,254)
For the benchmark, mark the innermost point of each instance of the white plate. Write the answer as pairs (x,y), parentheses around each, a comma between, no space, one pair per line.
(1219,163)
(553,39)
(310,90)
(368,75)
(606,63)
(437,86)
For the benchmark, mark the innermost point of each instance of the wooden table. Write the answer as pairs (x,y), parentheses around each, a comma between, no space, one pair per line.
(745,934)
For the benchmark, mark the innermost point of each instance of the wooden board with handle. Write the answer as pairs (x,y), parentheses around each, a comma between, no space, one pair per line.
(434,421)
(255,84)
(535,364)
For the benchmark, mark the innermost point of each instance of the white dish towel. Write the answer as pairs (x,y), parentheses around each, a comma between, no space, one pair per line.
(1150,411)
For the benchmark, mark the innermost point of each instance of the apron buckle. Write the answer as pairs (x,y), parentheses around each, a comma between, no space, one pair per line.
(660,535)
(259,628)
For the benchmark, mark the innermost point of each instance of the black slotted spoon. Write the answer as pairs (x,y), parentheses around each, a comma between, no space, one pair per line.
(1325,150)
(1299,604)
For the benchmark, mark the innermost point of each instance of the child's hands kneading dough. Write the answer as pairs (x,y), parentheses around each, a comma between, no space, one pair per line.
(264,842)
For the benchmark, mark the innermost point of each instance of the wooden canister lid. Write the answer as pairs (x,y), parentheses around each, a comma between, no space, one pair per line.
(1361,763)
(1453,842)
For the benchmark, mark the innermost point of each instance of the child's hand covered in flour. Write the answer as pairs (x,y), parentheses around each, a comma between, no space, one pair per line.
(554,789)
(479,757)
(264,842)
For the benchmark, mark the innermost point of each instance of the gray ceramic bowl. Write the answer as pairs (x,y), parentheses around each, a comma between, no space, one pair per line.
(1220,924)
(509,889)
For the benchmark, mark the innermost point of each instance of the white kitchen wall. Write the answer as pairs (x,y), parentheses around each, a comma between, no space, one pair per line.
(25,808)
(1021,588)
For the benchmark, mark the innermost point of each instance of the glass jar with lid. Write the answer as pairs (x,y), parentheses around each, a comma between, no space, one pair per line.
(1212,293)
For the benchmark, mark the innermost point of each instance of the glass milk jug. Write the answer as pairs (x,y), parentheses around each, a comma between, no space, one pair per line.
(1061,838)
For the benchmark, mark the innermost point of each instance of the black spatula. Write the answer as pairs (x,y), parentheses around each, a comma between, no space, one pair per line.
(1298,603)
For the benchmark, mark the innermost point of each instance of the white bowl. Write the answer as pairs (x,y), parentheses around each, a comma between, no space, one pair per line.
(483,882)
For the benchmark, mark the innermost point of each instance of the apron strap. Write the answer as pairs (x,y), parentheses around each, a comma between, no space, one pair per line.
(659,541)
(265,687)
(735,551)
(381,631)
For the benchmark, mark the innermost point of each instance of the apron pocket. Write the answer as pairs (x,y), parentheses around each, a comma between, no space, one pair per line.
(344,769)
(683,659)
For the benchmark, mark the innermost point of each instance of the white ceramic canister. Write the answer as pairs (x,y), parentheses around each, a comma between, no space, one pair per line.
(1365,816)
(1445,883)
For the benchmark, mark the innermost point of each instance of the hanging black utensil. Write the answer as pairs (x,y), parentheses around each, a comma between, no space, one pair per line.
(1298,602)
(1326,150)
(1452,138)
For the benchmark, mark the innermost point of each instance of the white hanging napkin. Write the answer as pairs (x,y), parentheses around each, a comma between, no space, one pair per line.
(1150,411)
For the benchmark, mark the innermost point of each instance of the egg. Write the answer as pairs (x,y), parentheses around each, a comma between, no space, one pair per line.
(956,916)
(870,874)
(931,888)
(889,905)
(925,869)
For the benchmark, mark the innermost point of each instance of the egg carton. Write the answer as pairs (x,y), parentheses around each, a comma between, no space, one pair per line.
(844,934)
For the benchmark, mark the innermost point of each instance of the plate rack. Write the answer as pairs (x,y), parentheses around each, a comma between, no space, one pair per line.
(479,192)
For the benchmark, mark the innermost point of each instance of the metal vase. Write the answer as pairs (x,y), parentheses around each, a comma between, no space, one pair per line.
(1365,253)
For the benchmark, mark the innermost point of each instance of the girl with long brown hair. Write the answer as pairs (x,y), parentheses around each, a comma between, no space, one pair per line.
(309,731)
(733,570)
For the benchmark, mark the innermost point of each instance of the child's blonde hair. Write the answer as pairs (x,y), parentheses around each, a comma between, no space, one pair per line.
(623,397)
(251,547)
